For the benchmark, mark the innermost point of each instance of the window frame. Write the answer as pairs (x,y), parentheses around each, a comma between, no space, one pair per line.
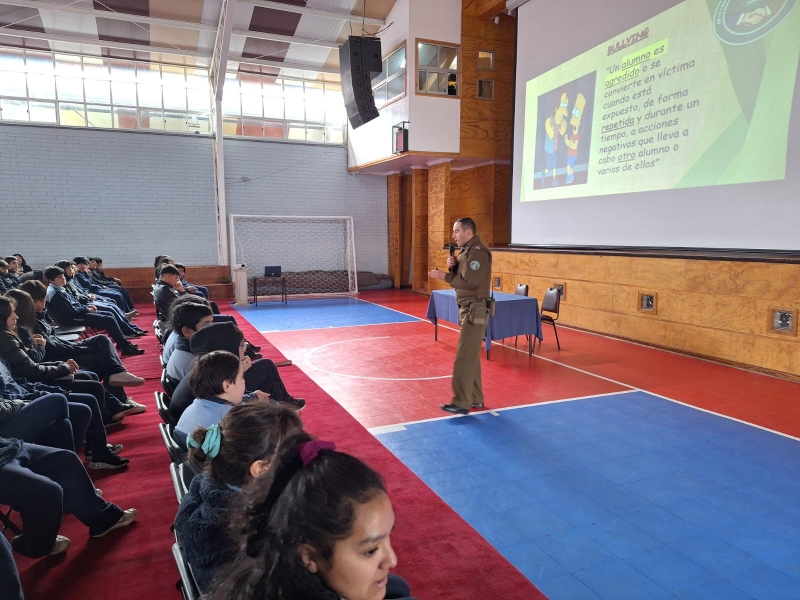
(478,89)
(478,63)
(417,68)
(403,74)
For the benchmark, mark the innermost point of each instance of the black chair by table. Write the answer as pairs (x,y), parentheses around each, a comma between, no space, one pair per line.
(522,290)
(552,304)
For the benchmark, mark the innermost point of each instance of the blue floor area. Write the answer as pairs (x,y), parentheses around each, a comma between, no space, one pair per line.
(319,313)
(621,497)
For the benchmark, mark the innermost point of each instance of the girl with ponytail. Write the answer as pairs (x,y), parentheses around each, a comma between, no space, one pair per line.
(229,455)
(316,527)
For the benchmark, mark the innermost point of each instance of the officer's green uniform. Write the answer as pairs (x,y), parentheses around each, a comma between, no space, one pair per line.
(472,282)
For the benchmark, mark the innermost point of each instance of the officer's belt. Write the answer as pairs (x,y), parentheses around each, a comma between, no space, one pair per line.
(469,300)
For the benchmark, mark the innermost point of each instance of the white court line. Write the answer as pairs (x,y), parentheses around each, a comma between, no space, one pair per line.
(632,388)
(307,360)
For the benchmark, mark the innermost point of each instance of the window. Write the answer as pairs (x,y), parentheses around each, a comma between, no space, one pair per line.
(390,83)
(486,89)
(437,69)
(280,108)
(91,91)
(486,60)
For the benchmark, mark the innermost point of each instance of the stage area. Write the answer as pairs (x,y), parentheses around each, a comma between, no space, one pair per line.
(320,313)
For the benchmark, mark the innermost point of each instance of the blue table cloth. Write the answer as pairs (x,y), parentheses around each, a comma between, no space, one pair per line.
(514,315)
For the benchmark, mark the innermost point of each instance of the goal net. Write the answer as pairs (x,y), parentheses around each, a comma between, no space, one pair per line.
(316,254)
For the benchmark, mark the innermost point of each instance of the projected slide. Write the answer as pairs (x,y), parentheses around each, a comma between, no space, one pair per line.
(699,95)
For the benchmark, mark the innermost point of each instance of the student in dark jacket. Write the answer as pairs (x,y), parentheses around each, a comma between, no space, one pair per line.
(8,280)
(229,456)
(95,356)
(95,271)
(41,483)
(167,288)
(87,283)
(21,264)
(192,288)
(69,312)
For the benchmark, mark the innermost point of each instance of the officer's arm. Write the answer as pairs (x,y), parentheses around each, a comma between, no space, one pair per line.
(469,278)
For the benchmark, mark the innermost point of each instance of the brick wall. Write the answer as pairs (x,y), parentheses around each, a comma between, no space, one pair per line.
(68,192)
(300,179)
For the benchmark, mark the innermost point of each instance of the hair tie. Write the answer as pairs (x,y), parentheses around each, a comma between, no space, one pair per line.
(211,443)
(310,450)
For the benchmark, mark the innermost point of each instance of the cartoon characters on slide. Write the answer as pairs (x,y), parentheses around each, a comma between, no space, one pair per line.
(556,128)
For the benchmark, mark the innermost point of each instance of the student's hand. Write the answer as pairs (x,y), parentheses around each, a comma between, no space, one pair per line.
(73,366)
(262,396)
(92,297)
(179,287)
(38,340)
(119,281)
(92,309)
(191,288)
(105,287)
(246,364)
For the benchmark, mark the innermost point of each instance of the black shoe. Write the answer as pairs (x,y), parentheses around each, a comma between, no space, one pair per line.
(108,461)
(132,350)
(254,347)
(141,332)
(452,408)
(113,448)
(477,405)
(252,354)
(294,403)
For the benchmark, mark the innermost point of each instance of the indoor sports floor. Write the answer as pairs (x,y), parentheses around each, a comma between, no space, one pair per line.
(604,470)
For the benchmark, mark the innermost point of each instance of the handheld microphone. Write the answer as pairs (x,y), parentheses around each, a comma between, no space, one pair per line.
(452,248)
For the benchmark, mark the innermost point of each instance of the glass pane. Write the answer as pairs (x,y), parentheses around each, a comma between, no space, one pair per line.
(230,101)
(13,110)
(122,71)
(485,89)
(273,107)
(396,87)
(396,62)
(174,97)
(431,83)
(422,79)
(41,86)
(334,135)
(12,84)
(39,62)
(273,131)
(199,99)
(250,84)
(380,95)
(230,126)
(197,79)
(315,102)
(442,83)
(97,90)
(173,76)
(334,104)
(124,94)
(427,54)
(297,131)
(252,105)
(70,88)
(68,65)
(252,128)
(448,58)
(315,133)
(452,84)
(43,112)
(485,60)
(231,83)
(12,60)
(380,76)
(72,114)
(99,116)
(95,68)
(125,118)
(175,121)
(151,119)
(198,124)
(295,108)
(149,95)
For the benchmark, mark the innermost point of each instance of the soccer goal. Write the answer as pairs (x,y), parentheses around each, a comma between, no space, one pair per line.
(316,255)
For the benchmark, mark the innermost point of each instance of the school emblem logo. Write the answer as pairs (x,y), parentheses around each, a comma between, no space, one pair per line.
(474,265)
(738,22)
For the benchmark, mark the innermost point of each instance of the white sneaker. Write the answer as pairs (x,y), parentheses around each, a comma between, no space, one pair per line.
(125,379)
(61,545)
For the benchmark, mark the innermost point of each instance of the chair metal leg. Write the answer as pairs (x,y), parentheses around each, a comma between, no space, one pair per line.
(556,332)
(5,519)
(516,337)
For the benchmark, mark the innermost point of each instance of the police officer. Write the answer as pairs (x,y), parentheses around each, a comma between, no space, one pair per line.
(470,274)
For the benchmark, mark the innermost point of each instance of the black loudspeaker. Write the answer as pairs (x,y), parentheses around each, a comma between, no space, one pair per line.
(359,61)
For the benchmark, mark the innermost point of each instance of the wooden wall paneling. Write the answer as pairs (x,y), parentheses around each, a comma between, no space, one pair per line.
(489,9)
(419,230)
(439,218)
(501,206)
(394,225)
(406,219)
(473,196)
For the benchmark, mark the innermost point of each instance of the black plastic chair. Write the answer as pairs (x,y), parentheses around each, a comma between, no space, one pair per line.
(162,406)
(5,520)
(167,384)
(552,304)
(522,290)
(176,453)
(182,475)
(186,584)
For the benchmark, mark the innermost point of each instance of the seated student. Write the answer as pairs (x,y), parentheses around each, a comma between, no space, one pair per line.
(99,277)
(166,289)
(217,381)
(89,285)
(10,586)
(35,275)
(172,335)
(95,354)
(228,456)
(316,527)
(21,264)
(259,375)
(68,312)
(192,288)
(187,318)
(41,483)
(83,412)
(8,280)
(45,419)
